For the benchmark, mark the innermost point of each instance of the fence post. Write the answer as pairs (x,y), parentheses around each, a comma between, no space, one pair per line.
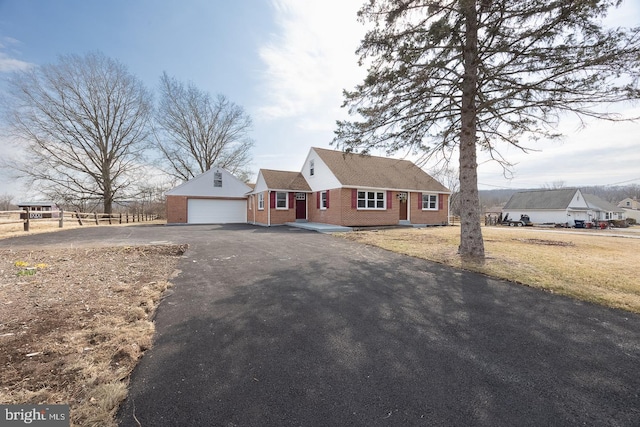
(95,216)
(120,217)
(109,219)
(26,219)
(61,221)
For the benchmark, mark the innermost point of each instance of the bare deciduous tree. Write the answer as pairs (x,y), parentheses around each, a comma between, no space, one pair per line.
(83,124)
(484,74)
(449,177)
(196,132)
(6,202)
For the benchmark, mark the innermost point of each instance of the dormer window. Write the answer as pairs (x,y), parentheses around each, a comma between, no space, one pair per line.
(311,167)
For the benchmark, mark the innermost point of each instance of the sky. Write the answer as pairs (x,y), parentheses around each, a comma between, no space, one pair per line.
(286,62)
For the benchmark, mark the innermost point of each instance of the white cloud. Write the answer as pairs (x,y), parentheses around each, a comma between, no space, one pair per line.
(602,153)
(7,62)
(310,61)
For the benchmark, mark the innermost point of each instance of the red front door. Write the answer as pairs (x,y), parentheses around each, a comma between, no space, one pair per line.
(403,208)
(301,206)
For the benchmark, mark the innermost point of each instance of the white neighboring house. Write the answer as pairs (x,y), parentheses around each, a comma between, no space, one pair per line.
(213,197)
(562,206)
(601,210)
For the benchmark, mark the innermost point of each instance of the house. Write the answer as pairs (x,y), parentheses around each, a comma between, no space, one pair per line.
(631,208)
(213,197)
(349,189)
(562,206)
(629,203)
(601,210)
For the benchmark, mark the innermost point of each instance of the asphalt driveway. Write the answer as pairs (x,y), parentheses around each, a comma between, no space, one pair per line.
(284,327)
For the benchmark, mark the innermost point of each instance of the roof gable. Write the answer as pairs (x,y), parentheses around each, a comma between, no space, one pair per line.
(284,180)
(541,199)
(203,185)
(596,203)
(358,170)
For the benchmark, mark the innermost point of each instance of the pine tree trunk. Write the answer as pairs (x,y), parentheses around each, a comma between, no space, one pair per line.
(471,243)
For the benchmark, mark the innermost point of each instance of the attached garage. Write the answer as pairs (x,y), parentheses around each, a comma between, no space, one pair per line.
(212,211)
(214,197)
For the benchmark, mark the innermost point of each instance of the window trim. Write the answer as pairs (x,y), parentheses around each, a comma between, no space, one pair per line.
(260,201)
(286,200)
(323,200)
(429,201)
(375,199)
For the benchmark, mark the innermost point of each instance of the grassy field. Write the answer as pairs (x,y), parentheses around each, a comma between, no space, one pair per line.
(591,267)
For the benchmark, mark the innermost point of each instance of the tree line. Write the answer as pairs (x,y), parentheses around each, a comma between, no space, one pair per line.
(88,131)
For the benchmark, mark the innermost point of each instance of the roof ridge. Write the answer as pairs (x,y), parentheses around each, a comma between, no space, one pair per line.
(365,155)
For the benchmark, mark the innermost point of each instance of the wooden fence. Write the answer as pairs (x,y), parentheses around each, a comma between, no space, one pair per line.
(27,216)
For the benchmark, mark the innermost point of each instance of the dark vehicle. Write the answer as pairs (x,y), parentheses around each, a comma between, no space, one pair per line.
(579,223)
(523,221)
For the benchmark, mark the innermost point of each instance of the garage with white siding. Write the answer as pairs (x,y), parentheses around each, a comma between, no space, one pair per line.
(213,197)
(216,211)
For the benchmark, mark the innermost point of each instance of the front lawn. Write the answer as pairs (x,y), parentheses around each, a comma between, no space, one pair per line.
(597,268)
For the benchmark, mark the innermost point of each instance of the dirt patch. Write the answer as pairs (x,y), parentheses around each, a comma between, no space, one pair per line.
(74,322)
(545,242)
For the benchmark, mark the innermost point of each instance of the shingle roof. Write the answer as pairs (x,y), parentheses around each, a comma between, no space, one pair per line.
(597,203)
(357,170)
(284,180)
(541,199)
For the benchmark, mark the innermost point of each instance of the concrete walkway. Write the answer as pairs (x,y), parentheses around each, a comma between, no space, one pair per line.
(319,227)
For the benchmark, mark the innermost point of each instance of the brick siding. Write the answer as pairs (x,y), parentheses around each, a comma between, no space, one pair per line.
(278,216)
(340,211)
(176,209)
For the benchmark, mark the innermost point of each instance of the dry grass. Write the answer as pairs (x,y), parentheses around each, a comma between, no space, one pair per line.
(74,322)
(49,226)
(593,267)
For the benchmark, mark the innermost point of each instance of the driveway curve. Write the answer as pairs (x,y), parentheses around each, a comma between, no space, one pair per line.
(284,327)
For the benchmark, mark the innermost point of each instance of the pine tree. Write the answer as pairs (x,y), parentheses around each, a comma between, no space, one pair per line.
(447,75)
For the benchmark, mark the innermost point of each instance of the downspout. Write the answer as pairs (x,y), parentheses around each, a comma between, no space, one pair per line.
(269,209)
(448,209)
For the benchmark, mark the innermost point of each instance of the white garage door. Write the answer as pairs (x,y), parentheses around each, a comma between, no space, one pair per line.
(208,211)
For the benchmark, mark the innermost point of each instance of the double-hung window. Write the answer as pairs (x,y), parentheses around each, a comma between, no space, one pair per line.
(281,200)
(371,199)
(429,202)
(324,204)
(261,201)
